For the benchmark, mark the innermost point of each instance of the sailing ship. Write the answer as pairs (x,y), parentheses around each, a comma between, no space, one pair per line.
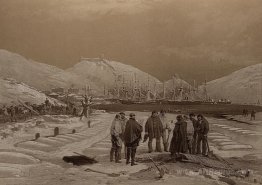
(132,91)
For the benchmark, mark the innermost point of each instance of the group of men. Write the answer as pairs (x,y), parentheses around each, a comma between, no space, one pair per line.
(14,113)
(187,136)
(252,114)
(127,131)
(9,113)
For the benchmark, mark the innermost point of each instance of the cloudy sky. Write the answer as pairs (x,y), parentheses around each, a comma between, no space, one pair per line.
(196,39)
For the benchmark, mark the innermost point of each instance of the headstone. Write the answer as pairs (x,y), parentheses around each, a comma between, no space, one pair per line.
(37,135)
(89,123)
(38,122)
(73,131)
(56,131)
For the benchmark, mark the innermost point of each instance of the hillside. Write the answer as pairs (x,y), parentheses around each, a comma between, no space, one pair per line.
(35,74)
(11,91)
(109,73)
(242,86)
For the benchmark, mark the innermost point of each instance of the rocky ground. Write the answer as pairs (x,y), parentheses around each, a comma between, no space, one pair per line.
(25,161)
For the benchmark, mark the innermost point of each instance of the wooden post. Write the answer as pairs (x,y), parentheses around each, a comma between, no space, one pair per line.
(56,131)
(37,135)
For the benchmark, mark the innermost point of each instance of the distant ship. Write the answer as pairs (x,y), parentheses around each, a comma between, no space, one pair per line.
(136,93)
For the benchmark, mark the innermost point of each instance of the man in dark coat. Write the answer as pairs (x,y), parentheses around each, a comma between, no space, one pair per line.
(13,114)
(253,115)
(179,139)
(132,136)
(154,130)
(84,111)
(203,129)
(195,125)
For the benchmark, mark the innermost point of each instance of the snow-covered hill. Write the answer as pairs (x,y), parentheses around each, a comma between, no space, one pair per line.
(11,91)
(109,73)
(35,74)
(242,86)
(176,83)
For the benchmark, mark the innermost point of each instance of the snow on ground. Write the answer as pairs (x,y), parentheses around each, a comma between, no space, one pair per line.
(45,154)
(11,91)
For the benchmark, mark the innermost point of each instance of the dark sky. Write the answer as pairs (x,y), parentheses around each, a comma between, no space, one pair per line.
(196,39)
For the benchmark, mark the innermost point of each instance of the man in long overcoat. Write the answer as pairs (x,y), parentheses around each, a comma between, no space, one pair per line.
(154,130)
(132,136)
(203,129)
(179,139)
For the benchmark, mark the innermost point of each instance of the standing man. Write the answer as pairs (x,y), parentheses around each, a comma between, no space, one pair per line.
(13,114)
(132,136)
(116,133)
(153,130)
(84,111)
(123,121)
(6,114)
(253,115)
(189,134)
(179,140)
(167,129)
(203,129)
(192,117)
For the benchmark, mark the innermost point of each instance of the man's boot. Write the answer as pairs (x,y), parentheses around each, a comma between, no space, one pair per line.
(125,148)
(199,140)
(204,146)
(158,146)
(133,155)
(194,143)
(150,147)
(112,154)
(128,155)
(166,147)
(119,153)
(117,160)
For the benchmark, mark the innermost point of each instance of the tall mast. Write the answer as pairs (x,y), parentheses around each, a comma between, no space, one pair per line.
(205,91)
(104,90)
(155,94)
(89,90)
(164,91)
(85,90)
(174,89)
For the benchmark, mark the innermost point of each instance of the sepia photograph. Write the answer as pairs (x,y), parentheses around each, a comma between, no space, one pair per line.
(128,92)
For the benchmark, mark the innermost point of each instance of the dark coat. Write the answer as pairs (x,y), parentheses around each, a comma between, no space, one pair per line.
(203,127)
(195,124)
(154,127)
(84,111)
(179,139)
(132,132)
